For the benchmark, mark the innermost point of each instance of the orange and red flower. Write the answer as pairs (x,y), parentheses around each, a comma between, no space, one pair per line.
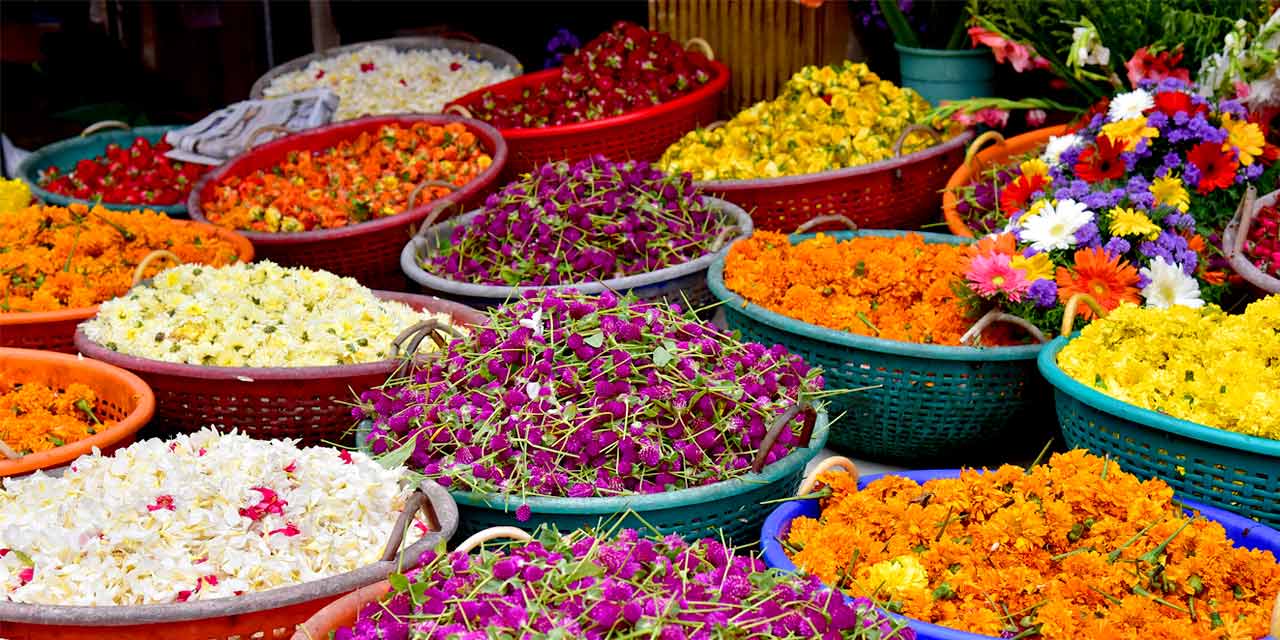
(1109,280)
(1102,161)
(1016,194)
(1217,167)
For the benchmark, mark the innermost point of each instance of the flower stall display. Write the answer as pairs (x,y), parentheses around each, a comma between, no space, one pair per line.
(379,79)
(205,516)
(1075,548)
(612,585)
(139,174)
(364,177)
(258,315)
(824,118)
(35,417)
(981,195)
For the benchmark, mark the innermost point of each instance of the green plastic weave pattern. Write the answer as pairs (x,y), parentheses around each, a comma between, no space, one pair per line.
(1232,471)
(930,402)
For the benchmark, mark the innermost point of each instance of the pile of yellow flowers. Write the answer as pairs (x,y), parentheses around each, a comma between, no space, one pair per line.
(825,118)
(1201,365)
(14,195)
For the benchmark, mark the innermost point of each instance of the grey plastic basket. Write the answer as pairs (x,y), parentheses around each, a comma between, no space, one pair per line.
(683,283)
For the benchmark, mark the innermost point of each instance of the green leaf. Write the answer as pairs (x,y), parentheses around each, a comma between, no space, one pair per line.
(398,582)
(594,340)
(396,458)
(23,558)
(662,357)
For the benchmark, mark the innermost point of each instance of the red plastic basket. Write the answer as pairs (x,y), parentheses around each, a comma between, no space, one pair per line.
(902,193)
(311,404)
(368,251)
(641,135)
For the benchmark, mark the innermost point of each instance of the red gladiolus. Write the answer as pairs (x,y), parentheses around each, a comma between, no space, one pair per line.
(1014,196)
(1217,168)
(1101,162)
(1145,66)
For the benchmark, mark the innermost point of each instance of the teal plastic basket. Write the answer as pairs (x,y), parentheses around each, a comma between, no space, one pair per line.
(66,153)
(1232,471)
(928,402)
(731,508)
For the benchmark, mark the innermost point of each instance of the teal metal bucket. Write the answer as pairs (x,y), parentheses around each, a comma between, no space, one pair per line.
(947,74)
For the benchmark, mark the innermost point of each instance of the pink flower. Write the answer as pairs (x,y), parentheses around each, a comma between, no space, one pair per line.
(289,530)
(1036,117)
(993,273)
(990,116)
(1145,66)
(1021,56)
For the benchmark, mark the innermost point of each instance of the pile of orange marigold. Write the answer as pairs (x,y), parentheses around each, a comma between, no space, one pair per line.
(35,417)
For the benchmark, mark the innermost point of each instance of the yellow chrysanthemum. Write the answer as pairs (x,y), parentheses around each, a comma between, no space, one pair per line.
(896,575)
(1245,136)
(1169,191)
(1130,131)
(1037,267)
(14,195)
(1034,167)
(1129,222)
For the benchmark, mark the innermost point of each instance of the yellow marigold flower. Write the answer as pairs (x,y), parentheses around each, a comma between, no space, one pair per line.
(1130,131)
(1037,267)
(1034,167)
(1169,191)
(1129,222)
(1245,136)
(14,195)
(896,575)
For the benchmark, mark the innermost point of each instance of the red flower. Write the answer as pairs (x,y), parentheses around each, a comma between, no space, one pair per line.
(345,456)
(1171,103)
(1144,66)
(1099,107)
(1015,195)
(164,502)
(289,530)
(1217,168)
(1101,162)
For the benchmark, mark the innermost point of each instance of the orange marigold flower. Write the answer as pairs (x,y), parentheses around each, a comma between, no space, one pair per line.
(36,417)
(1110,281)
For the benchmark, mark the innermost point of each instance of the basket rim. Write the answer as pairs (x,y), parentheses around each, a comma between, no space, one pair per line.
(486,133)
(1252,274)
(714,86)
(1063,383)
(249,603)
(962,173)
(410,43)
(836,175)
(29,172)
(244,250)
(144,407)
(409,262)
(779,322)
(774,557)
(643,503)
(150,366)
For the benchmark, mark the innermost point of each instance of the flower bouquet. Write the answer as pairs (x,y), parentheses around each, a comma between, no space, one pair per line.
(566,408)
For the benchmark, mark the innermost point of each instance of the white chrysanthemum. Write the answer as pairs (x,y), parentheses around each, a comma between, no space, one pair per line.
(1055,225)
(1169,286)
(1057,144)
(160,519)
(1133,104)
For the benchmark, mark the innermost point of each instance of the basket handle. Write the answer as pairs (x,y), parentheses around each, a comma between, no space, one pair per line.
(430,182)
(266,128)
(8,451)
(848,223)
(781,422)
(492,533)
(811,479)
(701,45)
(420,331)
(458,109)
(715,125)
(914,128)
(996,315)
(418,501)
(147,260)
(1069,313)
(971,154)
(103,125)
(1244,214)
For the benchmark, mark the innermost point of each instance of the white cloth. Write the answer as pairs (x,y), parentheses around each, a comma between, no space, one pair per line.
(227,132)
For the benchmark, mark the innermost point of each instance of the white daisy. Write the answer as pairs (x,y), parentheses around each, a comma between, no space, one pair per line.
(1130,105)
(1058,144)
(1169,286)
(1055,225)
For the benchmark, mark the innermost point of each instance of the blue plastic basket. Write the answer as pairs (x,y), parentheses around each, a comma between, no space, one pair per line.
(1241,531)
(1229,470)
(928,402)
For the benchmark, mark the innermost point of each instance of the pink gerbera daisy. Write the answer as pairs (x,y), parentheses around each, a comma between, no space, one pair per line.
(993,273)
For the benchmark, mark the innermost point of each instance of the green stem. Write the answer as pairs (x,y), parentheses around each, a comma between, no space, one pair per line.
(902,31)
(1153,555)
(1115,555)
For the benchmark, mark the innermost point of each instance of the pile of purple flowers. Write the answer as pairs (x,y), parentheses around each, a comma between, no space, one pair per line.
(589,221)
(567,394)
(623,586)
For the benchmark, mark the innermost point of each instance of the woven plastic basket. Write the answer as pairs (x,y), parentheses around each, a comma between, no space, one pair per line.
(366,251)
(259,616)
(902,193)
(123,399)
(975,160)
(1233,471)
(1237,232)
(56,330)
(920,401)
(642,134)
(92,142)
(311,404)
(685,283)
(731,507)
(1242,531)
(477,51)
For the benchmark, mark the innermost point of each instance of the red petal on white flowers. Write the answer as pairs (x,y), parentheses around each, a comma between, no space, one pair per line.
(289,530)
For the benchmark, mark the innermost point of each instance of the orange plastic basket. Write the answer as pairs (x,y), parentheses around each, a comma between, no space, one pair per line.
(123,398)
(56,330)
(975,160)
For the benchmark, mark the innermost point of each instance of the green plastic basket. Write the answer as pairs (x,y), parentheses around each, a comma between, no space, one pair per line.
(1233,471)
(66,153)
(732,508)
(928,402)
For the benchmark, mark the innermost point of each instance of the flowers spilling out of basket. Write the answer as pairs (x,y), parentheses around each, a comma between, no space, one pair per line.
(54,258)
(1201,365)
(621,70)
(257,315)
(613,585)
(564,394)
(36,417)
(1262,245)
(1044,552)
(367,176)
(1127,209)
(139,174)
(824,118)
(201,516)
(589,221)
(377,80)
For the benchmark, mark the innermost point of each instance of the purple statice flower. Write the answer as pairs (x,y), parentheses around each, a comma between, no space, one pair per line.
(1201,129)
(1044,293)
(1088,235)
(1138,191)
(1117,246)
(1233,107)
(1253,171)
(1179,220)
